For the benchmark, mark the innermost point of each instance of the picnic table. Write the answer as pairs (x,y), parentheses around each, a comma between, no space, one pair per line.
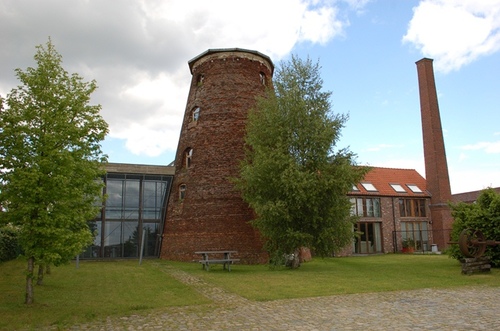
(216,257)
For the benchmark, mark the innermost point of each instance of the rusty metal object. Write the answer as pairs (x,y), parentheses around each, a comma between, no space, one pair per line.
(473,244)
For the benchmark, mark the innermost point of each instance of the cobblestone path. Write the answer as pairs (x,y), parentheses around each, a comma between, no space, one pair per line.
(471,308)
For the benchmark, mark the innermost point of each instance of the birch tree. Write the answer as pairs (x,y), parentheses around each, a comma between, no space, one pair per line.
(294,176)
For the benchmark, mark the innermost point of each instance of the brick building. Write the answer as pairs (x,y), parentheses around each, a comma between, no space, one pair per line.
(393,206)
(398,205)
(205,211)
(133,213)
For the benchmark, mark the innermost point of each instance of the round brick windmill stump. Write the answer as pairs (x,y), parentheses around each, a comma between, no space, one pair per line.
(205,211)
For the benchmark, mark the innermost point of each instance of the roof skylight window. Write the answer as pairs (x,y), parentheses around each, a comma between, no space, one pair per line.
(414,188)
(355,188)
(398,188)
(369,187)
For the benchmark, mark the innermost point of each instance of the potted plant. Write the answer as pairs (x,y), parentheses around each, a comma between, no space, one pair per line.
(408,245)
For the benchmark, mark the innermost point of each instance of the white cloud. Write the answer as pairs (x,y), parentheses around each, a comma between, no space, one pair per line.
(463,157)
(488,147)
(138,50)
(455,32)
(473,172)
(473,180)
(358,5)
(155,109)
(142,139)
(272,27)
(319,26)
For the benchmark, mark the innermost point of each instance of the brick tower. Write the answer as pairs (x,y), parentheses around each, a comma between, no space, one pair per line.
(436,166)
(205,211)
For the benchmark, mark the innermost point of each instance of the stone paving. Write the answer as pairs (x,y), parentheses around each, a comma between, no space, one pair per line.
(471,308)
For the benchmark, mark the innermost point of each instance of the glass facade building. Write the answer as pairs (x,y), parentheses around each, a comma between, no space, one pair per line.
(134,210)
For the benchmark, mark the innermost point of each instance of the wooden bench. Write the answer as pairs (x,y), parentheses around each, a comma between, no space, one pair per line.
(226,261)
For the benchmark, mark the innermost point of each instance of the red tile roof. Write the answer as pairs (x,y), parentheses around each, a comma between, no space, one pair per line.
(382,178)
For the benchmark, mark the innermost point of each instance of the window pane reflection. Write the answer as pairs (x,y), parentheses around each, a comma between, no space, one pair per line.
(153,197)
(93,251)
(134,203)
(151,239)
(121,240)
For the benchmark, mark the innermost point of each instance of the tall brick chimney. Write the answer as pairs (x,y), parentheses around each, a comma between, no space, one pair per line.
(436,167)
(205,211)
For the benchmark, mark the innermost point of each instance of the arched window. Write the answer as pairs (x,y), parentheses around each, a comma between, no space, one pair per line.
(195,114)
(262,78)
(182,191)
(199,79)
(188,156)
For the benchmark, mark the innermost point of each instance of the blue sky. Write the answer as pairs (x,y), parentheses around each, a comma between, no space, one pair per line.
(137,51)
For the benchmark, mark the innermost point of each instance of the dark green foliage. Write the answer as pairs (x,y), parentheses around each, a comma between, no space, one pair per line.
(9,246)
(293,176)
(484,215)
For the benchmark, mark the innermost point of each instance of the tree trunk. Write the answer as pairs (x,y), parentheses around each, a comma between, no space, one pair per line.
(39,281)
(29,281)
(47,269)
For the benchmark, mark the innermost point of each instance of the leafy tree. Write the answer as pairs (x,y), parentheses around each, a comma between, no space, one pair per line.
(9,248)
(50,161)
(484,215)
(292,175)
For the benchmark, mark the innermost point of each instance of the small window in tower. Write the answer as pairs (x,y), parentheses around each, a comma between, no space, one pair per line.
(262,78)
(182,191)
(188,156)
(195,114)
(199,80)
(414,188)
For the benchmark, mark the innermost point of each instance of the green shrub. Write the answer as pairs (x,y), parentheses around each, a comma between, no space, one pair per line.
(9,247)
(483,215)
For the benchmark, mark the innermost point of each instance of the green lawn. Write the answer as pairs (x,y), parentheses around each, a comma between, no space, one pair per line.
(99,289)
(332,276)
(93,291)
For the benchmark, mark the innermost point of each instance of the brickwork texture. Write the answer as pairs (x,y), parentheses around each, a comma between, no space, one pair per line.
(211,214)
